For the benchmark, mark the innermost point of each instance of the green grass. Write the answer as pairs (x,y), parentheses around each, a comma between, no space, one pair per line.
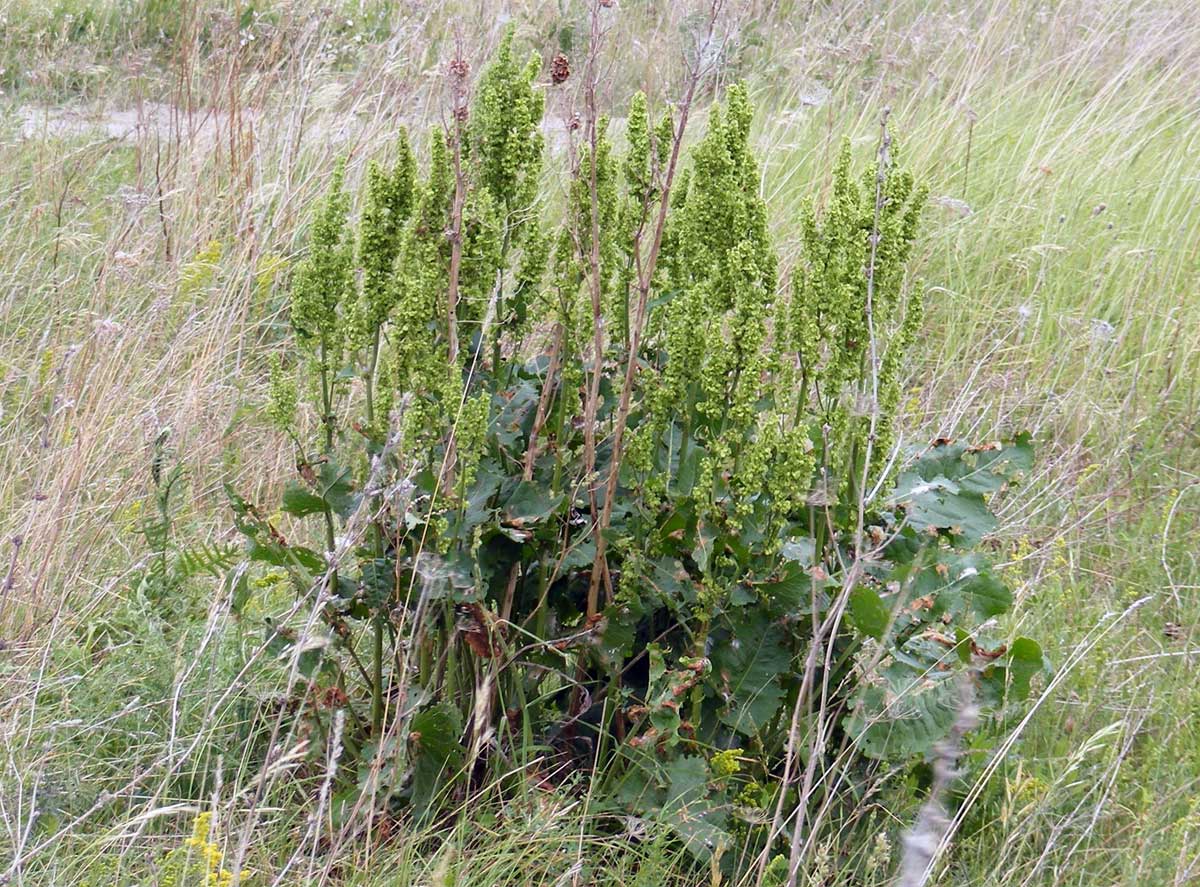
(1064,302)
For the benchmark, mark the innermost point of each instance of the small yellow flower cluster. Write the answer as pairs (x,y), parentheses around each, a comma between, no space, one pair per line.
(197,863)
(725,763)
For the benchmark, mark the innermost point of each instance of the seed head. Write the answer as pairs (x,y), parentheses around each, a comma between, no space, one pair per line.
(560,69)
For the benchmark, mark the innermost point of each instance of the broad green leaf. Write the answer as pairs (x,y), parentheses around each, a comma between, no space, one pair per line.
(944,489)
(702,832)
(982,469)
(530,503)
(961,584)
(636,787)
(436,748)
(331,487)
(1015,671)
(377,582)
(741,595)
(672,585)
(335,486)
(581,553)
(687,779)
(962,646)
(868,612)
(800,549)
(791,592)
(747,662)
(1025,660)
(299,501)
(617,634)
(439,577)
(903,713)
(689,811)
(515,414)
(666,692)
(941,505)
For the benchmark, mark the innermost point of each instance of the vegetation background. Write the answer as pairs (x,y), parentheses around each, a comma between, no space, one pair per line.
(158,161)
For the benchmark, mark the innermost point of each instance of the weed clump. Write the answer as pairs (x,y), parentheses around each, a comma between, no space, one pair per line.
(602,500)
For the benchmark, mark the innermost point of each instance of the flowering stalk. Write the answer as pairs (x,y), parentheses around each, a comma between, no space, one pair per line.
(646,268)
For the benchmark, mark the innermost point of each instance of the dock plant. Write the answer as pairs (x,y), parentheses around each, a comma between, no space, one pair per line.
(603,495)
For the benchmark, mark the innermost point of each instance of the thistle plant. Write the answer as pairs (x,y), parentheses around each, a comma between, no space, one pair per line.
(643,545)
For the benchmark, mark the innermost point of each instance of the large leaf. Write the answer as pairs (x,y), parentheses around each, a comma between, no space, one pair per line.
(791,592)
(328,485)
(943,491)
(982,469)
(903,712)
(377,582)
(667,689)
(795,589)
(1014,672)
(868,612)
(436,748)
(299,501)
(687,783)
(748,662)
(671,584)
(515,414)
(617,633)
(1025,660)
(530,503)
(690,812)
(335,486)
(799,549)
(940,505)
(961,584)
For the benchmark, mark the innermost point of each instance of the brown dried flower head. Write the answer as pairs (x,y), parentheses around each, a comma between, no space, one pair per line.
(560,69)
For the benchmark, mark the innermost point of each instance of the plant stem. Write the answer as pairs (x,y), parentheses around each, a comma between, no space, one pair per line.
(377,688)
(369,380)
(500,304)
(327,421)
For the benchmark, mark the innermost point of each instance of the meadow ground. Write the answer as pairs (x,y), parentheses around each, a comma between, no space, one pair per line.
(157,164)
